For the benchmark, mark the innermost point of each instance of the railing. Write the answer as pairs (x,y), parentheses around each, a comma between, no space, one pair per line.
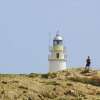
(63,59)
(51,49)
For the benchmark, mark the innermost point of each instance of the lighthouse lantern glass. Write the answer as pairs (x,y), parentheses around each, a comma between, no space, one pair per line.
(57,42)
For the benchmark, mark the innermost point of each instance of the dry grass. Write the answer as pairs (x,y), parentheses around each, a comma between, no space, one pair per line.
(70,84)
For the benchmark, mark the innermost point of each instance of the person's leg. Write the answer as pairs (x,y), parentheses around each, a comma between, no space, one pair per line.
(87,68)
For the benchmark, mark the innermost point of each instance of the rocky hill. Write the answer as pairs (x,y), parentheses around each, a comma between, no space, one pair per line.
(70,84)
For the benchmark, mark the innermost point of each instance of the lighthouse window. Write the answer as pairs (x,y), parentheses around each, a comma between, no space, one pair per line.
(54,42)
(57,55)
(59,42)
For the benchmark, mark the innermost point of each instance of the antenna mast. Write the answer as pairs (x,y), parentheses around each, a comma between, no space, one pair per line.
(49,39)
(57,32)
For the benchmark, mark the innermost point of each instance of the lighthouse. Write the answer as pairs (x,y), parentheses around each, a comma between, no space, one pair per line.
(57,56)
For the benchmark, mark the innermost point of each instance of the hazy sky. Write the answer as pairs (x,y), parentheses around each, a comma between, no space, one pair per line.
(25,26)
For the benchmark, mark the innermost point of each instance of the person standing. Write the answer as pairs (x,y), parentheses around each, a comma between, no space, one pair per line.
(88,63)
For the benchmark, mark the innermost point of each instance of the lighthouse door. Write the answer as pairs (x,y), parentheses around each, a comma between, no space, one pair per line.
(57,55)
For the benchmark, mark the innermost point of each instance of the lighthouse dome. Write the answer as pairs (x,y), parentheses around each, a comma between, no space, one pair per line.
(58,37)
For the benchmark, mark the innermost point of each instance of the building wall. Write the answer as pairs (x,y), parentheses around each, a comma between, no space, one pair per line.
(57,66)
(53,55)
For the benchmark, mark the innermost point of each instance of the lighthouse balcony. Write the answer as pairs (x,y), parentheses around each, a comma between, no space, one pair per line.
(57,48)
(57,59)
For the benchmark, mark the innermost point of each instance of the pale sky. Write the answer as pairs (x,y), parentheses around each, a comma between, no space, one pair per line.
(25,26)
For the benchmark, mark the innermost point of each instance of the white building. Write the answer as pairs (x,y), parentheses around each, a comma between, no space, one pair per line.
(57,57)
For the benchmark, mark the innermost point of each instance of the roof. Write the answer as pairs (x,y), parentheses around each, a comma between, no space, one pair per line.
(58,37)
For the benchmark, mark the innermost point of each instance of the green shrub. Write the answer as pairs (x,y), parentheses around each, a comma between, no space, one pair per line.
(33,75)
(49,75)
(52,75)
(23,87)
(44,76)
(52,83)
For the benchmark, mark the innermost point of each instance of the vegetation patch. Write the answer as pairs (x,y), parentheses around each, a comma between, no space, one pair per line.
(33,75)
(49,75)
(52,83)
(63,85)
(23,87)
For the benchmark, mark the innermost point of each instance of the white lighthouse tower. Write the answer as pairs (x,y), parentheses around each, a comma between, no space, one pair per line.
(57,57)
